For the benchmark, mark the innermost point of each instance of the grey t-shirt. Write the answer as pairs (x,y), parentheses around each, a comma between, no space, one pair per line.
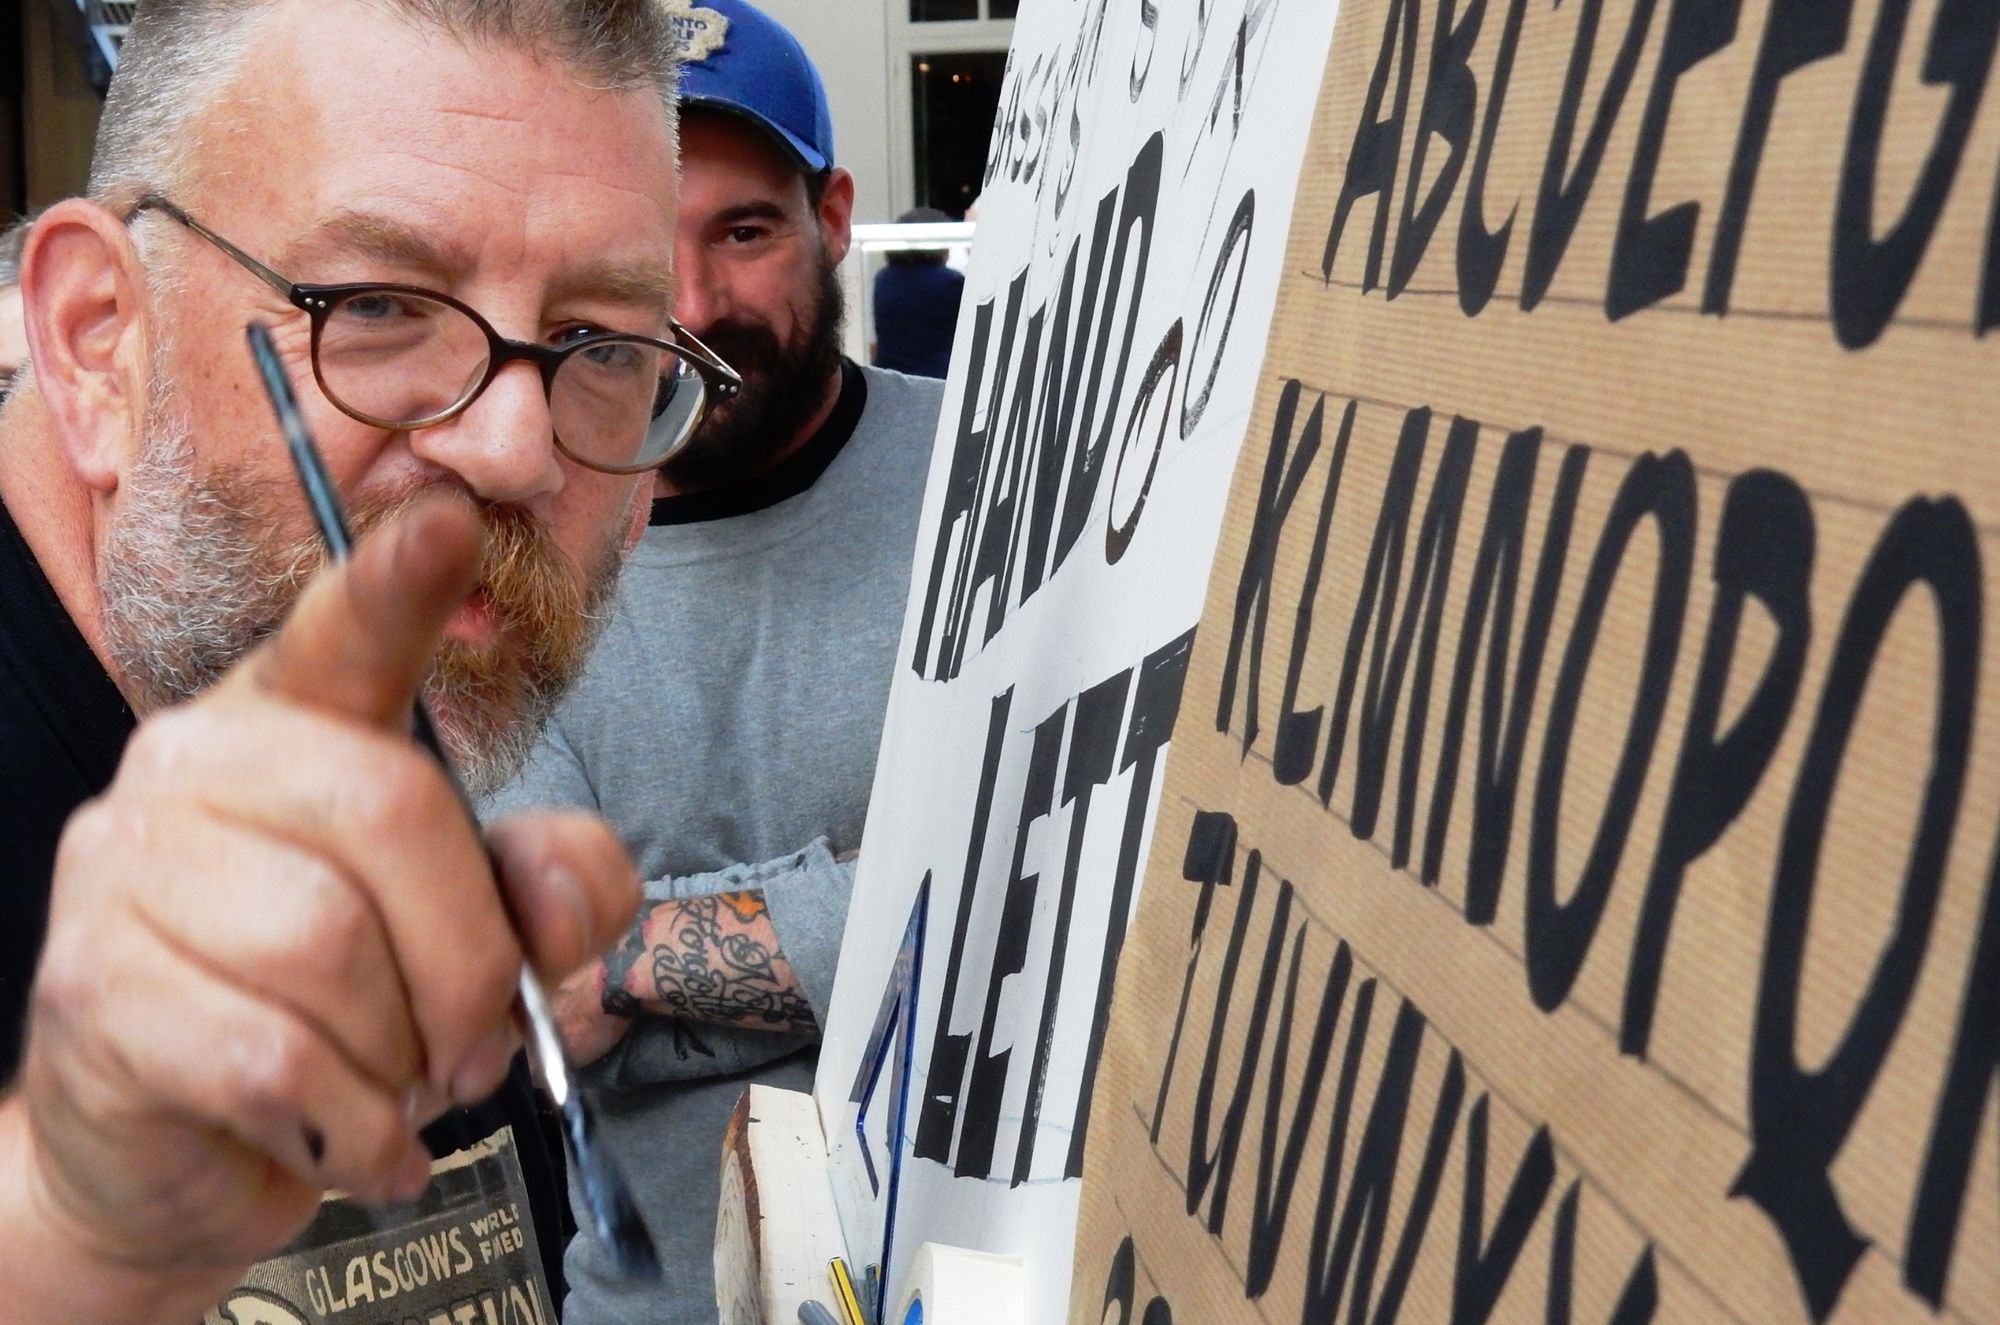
(727,726)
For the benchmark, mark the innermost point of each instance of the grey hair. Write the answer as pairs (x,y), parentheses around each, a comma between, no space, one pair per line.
(180,55)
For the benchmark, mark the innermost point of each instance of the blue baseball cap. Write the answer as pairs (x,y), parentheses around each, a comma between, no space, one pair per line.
(738,59)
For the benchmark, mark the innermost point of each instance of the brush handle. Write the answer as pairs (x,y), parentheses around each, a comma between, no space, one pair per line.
(617,1217)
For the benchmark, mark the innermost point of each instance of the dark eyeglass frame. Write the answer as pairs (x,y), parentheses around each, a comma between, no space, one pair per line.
(317,302)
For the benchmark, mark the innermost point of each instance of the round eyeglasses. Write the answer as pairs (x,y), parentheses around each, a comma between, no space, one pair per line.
(403,357)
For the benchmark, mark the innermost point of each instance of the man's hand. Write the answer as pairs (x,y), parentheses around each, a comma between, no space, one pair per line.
(275,949)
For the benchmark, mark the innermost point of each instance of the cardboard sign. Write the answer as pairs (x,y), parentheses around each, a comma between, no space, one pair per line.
(1574,896)
(1132,234)
(463,1254)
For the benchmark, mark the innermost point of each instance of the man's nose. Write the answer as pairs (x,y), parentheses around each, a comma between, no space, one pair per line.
(700,297)
(503,445)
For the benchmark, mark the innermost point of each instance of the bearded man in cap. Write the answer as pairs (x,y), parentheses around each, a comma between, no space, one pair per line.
(729,721)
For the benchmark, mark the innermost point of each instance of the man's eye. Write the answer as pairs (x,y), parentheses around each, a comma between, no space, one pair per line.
(377,307)
(617,354)
(743,234)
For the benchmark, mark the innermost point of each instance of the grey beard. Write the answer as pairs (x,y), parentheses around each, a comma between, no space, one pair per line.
(192,576)
(186,587)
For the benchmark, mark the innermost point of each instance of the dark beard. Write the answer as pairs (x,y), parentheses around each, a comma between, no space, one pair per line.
(783,387)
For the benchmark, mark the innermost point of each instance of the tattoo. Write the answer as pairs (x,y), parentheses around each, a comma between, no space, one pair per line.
(747,906)
(720,962)
(713,959)
(618,1000)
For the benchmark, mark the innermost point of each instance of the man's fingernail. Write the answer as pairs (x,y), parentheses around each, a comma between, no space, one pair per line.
(480,1071)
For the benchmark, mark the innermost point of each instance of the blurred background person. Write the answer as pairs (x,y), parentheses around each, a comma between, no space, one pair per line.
(916,305)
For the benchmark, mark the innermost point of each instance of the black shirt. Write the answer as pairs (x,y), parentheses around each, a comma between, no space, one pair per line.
(63,726)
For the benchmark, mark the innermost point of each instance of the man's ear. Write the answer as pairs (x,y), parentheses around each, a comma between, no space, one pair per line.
(84,299)
(836,212)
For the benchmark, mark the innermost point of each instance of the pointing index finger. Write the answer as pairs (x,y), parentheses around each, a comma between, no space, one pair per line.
(360,638)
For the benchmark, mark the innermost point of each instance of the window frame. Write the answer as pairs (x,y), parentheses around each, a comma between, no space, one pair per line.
(907,41)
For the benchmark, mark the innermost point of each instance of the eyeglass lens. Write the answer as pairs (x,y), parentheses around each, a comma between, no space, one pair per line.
(399,358)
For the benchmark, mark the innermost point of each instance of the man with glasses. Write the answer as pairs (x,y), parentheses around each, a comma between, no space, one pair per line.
(274,948)
(729,720)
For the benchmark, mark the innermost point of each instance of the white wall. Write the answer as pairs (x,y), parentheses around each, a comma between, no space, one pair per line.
(848,40)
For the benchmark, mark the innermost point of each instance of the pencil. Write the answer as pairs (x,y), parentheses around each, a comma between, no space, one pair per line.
(843,1292)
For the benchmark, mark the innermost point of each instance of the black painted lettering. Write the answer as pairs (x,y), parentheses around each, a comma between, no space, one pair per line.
(985,1093)
(1138,213)
(998,500)
(1641,1296)
(1649,257)
(1504,715)
(1212,1155)
(1149,20)
(957,532)
(1870,276)
(1062,389)
(1285,469)
(1559,934)
(937,1118)
(1121,1284)
(1482,252)
(1565,187)
(1378,141)
(1210,861)
(1970,1083)
(1277,1179)
(1423,1198)
(1341,1264)
(1298,733)
(1389,662)
(1166,358)
(1799,1117)
(1297,743)
(1430,584)
(1796,33)
(1485,1264)
(1156,701)
(1763,551)
(1235,252)
(1451,97)
(1093,744)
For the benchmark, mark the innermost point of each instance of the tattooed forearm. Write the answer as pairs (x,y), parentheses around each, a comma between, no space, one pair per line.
(714,959)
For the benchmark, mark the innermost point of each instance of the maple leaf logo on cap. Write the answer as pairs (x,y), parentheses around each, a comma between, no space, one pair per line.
(699,32)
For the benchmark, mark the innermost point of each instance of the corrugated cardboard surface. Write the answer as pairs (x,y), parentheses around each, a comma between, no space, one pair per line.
(1360,1074)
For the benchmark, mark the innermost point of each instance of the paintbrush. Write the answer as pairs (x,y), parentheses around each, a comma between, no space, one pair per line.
(620,1227)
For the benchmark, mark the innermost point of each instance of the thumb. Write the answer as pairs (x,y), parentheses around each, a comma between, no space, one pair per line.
(360,638)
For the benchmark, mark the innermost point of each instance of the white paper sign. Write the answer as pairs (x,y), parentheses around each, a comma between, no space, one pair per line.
(1131,234)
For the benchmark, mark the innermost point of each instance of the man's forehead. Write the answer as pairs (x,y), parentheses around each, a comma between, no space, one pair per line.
(448,247)
(317,90)
(366,137)
(729,171)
